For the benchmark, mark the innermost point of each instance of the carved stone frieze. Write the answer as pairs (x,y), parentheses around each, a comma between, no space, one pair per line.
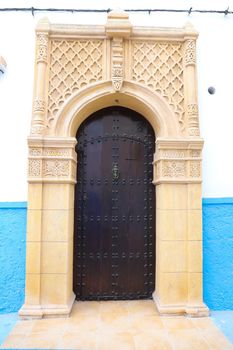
(42,47)
(193,121)
(37,129)
(50,163)
(39,105)
(190,52)
(55,168)
(173,169)
(159,65)
(177,161)
(117,63)
(34,168)
(57,152)
(74,64)
(115,52)
(195,169)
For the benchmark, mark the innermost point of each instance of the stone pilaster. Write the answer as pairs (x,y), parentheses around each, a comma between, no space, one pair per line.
(190,84)
(39,101)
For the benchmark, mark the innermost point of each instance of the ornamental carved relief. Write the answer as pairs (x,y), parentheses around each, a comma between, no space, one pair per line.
(190,52)
(34,168)
(173,169)
(42,47)
(50,163)
(74,64)
(55,168)
(39,105)
(159,65)
(83,57)
(195,169)
(117,63)
(177,161)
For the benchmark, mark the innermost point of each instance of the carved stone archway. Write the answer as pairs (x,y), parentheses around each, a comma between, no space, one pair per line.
(79,70)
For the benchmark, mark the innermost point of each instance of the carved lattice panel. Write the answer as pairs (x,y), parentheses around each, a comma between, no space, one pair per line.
(159,65)
(74,64)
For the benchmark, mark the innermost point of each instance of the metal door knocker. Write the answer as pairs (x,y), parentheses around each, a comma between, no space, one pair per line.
(115,172)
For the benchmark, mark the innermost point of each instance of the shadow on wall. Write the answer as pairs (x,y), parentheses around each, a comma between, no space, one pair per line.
(217,246)
(12,255)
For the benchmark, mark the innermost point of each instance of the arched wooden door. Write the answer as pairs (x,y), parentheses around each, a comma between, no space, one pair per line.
(114,238)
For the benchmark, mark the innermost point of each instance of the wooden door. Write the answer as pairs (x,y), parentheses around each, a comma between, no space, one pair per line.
(114,243)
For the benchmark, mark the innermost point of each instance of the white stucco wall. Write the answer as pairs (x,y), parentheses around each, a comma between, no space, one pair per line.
(215,68)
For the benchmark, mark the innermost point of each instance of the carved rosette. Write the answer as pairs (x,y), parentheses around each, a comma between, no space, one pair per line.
(190,52)
(177,162)
(117,63)
(51,163)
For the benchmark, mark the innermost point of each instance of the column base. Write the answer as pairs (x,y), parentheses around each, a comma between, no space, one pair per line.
(194,310)
(46,311)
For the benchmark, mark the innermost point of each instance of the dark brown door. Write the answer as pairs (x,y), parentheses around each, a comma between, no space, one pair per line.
(114,243)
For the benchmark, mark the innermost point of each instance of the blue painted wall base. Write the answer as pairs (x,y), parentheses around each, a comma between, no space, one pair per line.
(12,255)
(218,253)
(217,248)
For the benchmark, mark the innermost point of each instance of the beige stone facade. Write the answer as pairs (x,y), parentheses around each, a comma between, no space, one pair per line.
(79,70)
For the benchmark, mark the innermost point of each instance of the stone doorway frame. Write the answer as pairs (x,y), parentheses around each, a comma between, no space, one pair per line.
(79,70)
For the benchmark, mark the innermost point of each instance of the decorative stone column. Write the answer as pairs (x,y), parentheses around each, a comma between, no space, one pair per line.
(39,102)
(177,176)
(190,84)
(49,260)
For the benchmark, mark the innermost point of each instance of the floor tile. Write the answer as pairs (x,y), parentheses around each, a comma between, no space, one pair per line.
(57,325)
(177,322)
(114,321)
(78,340)
(187,339)
(42,340)
(216,339)
(121,325)
(146,322)
(14,341)
(83,322)
(115,341)
(145,307)
(114,306)
(85,307)
(157,340)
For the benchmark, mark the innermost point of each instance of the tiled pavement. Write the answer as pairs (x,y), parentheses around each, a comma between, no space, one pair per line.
(121,325)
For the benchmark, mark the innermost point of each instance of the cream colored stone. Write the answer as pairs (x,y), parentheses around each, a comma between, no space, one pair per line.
(194,256)
(172,288)
(33,259)
(35,192)
(171,196)
(54,257)
(58,196)
(57,225)
(34,220)
(171,224)
(32,296)
(194,196)
(194,224)
(195,288)
(173,256)
(53,289)
(147,331)
(183,339)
